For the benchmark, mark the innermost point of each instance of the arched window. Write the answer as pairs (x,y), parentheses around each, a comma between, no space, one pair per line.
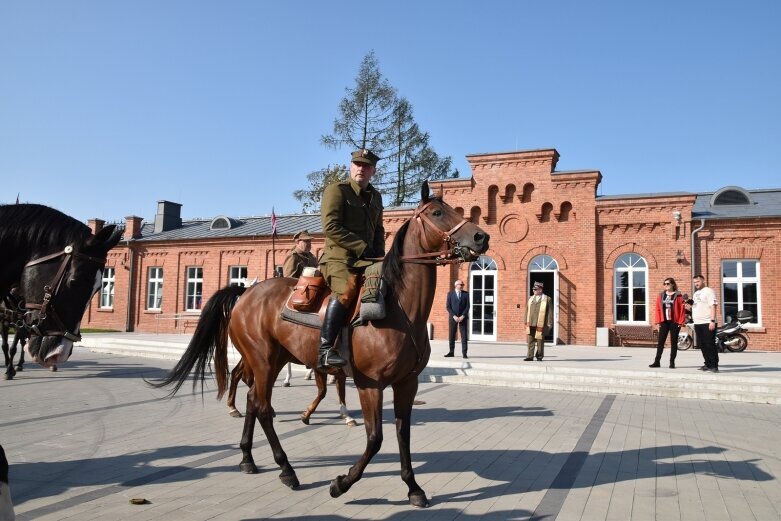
(564,213)
(545,212)
(474,214)
(509,193)
(543,263)
(528,188)
(630,291)
(730,195)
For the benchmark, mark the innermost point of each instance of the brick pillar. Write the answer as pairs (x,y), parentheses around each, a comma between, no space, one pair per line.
(95,225)
(132,227)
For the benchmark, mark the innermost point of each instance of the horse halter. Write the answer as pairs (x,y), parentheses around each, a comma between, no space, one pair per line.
(441,257)
(46,307)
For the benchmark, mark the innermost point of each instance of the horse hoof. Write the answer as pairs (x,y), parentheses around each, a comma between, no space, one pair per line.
(305,419)
(337,486)
(419,499)
(19,368)
(248,468)
(289,480)
(8,377)
(53,369)
(352,423)
(235,413)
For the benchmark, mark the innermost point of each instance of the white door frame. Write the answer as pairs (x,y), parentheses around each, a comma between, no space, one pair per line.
(555,272)
(483,273)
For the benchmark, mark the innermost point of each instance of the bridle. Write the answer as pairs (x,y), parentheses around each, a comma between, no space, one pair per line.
(453,255)
(46,308)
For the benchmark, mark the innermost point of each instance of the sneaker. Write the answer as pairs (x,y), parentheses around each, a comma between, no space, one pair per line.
(655,364)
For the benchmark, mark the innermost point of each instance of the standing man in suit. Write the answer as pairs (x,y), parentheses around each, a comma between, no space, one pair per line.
(539,320)
(458,313)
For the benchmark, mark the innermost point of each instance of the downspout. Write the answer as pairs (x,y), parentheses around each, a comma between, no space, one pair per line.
(693,256)
(129,313)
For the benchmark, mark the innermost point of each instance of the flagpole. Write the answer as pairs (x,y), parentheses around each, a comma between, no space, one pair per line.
(273,253)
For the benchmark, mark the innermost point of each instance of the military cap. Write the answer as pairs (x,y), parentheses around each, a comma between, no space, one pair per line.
(365,156)
(303,235)
(538,285)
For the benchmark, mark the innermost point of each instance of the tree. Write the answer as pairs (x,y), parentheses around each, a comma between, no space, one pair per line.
(318,180)
(373,116)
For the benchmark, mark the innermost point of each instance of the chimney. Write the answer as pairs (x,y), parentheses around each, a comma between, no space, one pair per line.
(132,227)
(95,225)
(168,216)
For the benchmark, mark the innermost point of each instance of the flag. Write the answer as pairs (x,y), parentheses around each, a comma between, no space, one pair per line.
(273,223)
(17,198)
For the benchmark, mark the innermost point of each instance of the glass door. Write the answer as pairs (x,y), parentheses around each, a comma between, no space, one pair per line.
(482,298)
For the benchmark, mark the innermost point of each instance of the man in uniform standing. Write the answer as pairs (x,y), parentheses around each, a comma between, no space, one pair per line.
(351,214)
(539,320)
(300,256)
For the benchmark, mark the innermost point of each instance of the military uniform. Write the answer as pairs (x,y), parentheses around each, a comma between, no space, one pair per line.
(536,319)
(296,261)
(352,224)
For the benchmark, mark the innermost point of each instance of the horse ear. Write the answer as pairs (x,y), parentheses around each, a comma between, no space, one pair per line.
(106,238)
(424,192)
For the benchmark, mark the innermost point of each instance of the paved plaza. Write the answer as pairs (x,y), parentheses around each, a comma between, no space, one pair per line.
(85,440)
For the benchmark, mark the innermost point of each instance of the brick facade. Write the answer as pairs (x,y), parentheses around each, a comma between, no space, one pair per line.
(529,209)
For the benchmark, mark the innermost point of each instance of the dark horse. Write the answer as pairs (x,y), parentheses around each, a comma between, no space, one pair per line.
(57,263)
(240,374)
(392,351)
(11,313)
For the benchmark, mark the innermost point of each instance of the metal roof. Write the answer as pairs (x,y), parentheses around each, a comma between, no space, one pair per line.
(243,227)
(764,203)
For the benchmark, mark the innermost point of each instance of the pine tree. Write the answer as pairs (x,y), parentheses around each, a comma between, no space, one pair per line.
(373,116)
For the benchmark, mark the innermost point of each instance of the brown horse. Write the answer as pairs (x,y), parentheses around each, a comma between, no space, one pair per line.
(388,352)
(238,374)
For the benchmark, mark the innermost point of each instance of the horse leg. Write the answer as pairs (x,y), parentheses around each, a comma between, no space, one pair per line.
(343,412)
(247,464)
(4,333)
(236,376)
(10,372)
(286,383)
(371,404)
(403,394)
(322,389)
(22,341)
(266,419)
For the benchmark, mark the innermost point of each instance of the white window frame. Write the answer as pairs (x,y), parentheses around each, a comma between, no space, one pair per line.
(193,296)
(630,266)
(740,280)
(154,288)
(235,276)
(107,283)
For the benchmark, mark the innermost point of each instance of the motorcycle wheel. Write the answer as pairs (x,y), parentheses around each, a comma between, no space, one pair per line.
(740,345)
(684,343)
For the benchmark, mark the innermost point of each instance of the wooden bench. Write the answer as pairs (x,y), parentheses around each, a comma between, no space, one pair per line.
(183,320)
(627,335)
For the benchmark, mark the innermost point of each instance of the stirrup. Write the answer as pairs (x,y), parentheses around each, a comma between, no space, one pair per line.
(324,362)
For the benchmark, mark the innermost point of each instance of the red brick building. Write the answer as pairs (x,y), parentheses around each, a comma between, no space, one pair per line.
(601,258)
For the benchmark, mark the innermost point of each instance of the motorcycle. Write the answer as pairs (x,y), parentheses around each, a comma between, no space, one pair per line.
(732,336)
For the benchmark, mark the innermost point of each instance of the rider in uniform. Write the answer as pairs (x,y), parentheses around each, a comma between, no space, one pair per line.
(300,256)
(351,214)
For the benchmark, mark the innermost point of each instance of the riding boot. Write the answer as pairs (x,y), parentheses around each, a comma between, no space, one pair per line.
(332,323)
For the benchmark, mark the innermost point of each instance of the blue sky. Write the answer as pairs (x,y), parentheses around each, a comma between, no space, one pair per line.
(108,107)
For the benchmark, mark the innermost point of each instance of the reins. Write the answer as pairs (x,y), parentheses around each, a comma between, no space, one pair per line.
(442,257)
(46,307)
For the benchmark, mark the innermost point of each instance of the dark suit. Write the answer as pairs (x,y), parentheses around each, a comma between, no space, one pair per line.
(457,307)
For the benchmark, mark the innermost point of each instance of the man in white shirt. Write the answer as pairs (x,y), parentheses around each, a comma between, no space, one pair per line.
(703,311)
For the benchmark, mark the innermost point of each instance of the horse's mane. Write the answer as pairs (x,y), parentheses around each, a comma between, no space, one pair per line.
(392,265)
(37,226)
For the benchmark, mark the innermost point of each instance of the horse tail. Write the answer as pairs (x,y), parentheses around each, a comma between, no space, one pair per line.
(210,340)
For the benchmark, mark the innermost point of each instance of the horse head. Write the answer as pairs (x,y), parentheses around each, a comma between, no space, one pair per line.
(445,232)
(57,289)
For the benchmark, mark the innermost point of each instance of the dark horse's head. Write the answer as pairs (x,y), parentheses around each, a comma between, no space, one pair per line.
(58,264)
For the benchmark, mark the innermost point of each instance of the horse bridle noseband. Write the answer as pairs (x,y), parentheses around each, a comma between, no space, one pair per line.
(46,307)
(452,255)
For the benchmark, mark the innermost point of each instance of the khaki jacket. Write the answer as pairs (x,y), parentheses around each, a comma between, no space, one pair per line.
(295,263)
(351,225)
